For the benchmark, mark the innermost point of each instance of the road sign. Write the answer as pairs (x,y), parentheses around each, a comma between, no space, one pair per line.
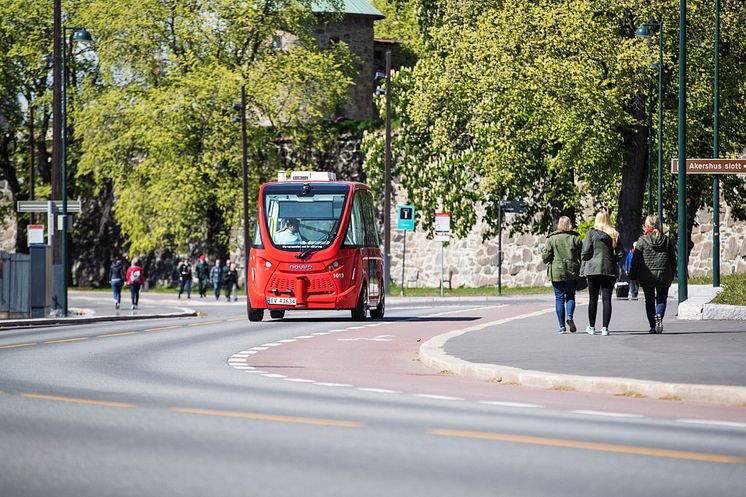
(513,205)
(442,226)
(711,166)
(35,234)
(43,206)
(405,217)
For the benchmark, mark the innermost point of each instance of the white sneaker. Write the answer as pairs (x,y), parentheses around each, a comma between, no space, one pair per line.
(605,331)
(591,330)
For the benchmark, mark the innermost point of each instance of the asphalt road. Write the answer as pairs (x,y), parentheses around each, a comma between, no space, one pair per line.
(206,406)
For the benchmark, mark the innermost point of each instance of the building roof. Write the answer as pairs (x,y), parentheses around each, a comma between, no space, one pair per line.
(356,7)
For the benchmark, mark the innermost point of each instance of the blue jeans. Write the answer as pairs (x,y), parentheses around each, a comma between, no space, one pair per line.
(634,288)
(564,293)
(655,302)
(116,290)
(185,282)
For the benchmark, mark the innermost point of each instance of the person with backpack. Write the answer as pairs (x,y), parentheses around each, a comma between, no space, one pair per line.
(654,266)
(185,277)
(135,280)
(561,254)
(600,254)
(116,278)
(203,276)
(216,278)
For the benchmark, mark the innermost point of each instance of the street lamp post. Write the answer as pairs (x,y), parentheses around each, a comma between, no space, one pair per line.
(79,34)
(244,180)
(645,31)
(387,183)
(683,232)
(716,155)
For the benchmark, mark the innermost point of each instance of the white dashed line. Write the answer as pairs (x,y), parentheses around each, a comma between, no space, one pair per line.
(288,340)
(356,327)
(339,330)
(258,348)
(271,345)
(437,397)
(332,384)
(299,380)
(304,336)
(243,367)
(256,371)
(377,390)
(320,333)
(609,414)
(509,404)
(729,424)
(274,375)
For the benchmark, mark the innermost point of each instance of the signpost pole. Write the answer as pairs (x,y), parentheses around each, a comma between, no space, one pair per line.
(715,155)
(500,248)
(442,263)
(403,262)
(682,218)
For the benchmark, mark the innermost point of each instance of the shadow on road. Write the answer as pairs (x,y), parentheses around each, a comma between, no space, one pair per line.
(434,319)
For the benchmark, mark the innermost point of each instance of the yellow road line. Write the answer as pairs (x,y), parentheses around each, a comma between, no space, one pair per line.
(68,340)
(117,334)
(161,328)
(16,345)
(574,444)
(237,319)
(204,323)
(271,417)
(77,401)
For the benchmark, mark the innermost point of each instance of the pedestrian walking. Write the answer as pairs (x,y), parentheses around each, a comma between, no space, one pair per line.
(634,287)
(135,280)
(562,256)
(653,266)
(203,276)
(231,283)
(185,277)
(227,280)
(216,278)
(600,256)
(116,279)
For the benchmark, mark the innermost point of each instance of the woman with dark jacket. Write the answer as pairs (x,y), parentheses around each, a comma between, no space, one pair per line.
(116,278)
(562,256)
(653,266)
(600,255)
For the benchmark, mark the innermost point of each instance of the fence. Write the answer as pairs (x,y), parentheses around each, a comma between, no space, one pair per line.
(14,285)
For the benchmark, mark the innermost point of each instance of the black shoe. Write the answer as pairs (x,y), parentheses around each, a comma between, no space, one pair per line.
(658,324)
(571,325)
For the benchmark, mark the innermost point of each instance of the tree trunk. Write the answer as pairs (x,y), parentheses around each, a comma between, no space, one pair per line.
(634,173)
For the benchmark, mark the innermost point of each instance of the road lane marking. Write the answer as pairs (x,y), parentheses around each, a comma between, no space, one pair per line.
(303,336)
(161,328)
(327,384)
(602,447)
(274,375)
(68,340)
(204,323)
(237,319)
(118,334)
(729,424)
(270,345)
(609,414)
(76,400)
(271,417)
(17,345)
(287,340)
(437,397)
(377,390)
(320,333)
(509,404)
(259,348)
(377,338)
(299,380)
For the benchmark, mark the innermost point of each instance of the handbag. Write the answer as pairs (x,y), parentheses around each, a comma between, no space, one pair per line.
(581,283)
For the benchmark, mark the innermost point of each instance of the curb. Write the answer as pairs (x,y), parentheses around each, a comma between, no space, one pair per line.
(41,322)
(433,355)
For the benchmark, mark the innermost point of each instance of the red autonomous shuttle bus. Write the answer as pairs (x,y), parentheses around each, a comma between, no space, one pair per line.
(316,247)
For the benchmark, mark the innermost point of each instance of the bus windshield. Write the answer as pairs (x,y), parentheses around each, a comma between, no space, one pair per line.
(298,221)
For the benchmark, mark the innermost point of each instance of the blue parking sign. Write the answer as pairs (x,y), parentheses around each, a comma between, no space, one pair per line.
(405,217)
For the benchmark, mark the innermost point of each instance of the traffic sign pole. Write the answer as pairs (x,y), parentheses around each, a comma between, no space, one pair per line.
(403,262)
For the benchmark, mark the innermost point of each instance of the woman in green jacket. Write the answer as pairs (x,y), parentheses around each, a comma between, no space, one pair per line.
(600,255)
(562,256)
(653,265)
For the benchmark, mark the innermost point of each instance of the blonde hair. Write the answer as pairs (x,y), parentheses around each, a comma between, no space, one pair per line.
(603,223)
(564,224)
(652,222)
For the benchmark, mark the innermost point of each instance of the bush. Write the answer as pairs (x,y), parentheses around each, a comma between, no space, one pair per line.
(734,290)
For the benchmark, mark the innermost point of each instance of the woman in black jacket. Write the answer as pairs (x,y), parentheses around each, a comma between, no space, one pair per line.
(600,255)
(116,278)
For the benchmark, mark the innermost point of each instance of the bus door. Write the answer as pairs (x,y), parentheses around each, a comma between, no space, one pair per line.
(372,252)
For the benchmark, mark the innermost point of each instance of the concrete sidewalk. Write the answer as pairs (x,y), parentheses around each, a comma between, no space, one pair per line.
(91,307)
(691,360)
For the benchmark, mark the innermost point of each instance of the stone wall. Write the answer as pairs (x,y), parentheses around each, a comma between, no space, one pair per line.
(8,225)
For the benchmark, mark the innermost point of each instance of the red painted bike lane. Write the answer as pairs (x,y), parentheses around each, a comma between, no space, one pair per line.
(382,356)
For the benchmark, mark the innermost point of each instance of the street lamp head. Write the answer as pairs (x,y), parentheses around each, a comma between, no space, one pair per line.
(643,31)
(237,106)
(82,34)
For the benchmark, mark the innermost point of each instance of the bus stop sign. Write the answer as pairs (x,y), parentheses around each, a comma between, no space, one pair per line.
(405,217)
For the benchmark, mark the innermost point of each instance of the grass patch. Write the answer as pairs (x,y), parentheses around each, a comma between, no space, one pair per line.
(635,395)
(447,372)
(734,290)
(485,291)
(563,388)
(670,397)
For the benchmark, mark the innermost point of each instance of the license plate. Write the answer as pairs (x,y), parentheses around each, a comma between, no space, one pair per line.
(281,300)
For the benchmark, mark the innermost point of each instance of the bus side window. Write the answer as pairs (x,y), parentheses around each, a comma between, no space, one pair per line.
(257,243)
(371,231)
(355,236)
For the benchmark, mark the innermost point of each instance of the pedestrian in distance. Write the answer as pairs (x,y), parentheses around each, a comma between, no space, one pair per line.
(116,278)
(600,256)
(231,289)
(634,287)
(216,278)
(203,276)
(227,279)
(562,256)
(654,267)
(135,280)
(185,277)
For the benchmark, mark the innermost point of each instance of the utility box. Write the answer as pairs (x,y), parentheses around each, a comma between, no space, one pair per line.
(40,280)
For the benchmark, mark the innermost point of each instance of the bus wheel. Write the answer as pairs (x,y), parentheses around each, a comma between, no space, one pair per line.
(359,313)
(377,313)
(256,314)
(277,314)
